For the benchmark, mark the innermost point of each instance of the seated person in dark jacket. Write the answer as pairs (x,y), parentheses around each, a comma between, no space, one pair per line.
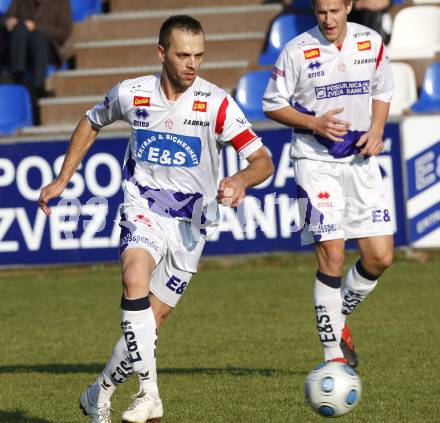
(37,30)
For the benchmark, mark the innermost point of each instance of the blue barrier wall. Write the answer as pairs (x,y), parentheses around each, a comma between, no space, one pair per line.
(84,228)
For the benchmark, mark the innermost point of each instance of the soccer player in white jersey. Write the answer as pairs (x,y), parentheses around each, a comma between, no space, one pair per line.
(322,85)
(179,124)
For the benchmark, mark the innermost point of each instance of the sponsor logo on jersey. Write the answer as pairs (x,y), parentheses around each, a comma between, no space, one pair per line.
(324,197)
(195,122)
(364,45)
(169,124)
(141,115)
(200,106)
(362,34)
(167,149)
(325,228)
(242,121)
(202,93)
(364,61)
(312,53)
(315,66)
(342,88)
(143,219)
(141,101)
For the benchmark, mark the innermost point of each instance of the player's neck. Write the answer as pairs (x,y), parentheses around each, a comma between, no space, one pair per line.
(171,91)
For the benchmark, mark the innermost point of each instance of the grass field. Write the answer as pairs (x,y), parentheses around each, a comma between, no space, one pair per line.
(236,349)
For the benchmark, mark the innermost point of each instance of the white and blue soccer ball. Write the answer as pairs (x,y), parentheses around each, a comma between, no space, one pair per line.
(333,389)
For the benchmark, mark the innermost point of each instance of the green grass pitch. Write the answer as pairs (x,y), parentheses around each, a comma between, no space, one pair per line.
(236,349)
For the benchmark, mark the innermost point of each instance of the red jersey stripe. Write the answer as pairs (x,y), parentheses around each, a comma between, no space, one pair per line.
(379,56)
(221,116)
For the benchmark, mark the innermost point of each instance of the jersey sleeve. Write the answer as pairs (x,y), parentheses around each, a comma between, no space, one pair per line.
(233,127)
(106,112)
(281,85)
(383,85)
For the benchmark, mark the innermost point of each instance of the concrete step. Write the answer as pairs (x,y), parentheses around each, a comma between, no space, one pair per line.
(126,5)
(146,23)
(140,51)
(78,91)
(99,81)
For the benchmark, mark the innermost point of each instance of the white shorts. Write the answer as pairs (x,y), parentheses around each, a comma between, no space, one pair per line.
(340,200)
(171,243)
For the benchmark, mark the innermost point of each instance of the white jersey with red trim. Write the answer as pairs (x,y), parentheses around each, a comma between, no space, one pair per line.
(314,76)
(172,159)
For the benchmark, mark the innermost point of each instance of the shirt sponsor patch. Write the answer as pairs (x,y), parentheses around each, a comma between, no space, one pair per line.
(200,106)
(167,149)
(364,45)
(141,101)
(342,88)
(312,53)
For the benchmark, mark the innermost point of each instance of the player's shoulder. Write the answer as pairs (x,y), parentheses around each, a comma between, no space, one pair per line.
(303,41)
(360,33)
(142,83)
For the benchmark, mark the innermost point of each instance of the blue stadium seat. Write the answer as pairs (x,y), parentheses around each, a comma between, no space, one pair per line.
(429,100)
(81,9)
(249,93)
(15,108)
(283,29)
(4,5)
(301,4)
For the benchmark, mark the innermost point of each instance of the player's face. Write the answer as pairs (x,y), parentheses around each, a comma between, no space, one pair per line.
(332,18)
(182,60)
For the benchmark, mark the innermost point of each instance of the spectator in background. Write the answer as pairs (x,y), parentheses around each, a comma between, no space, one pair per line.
(37,31)
(374,14)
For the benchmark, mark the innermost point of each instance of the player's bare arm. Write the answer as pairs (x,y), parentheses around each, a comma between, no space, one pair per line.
(327,125)
(371,142)
(82,139)
(232,189)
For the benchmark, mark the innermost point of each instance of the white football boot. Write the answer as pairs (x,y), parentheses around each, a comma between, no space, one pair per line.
(97,413)
(143,409)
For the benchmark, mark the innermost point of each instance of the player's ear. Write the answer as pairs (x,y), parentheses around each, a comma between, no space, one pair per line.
(160,53)
(348,6)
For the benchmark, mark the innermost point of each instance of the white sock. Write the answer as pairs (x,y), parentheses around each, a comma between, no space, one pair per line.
(357,284)
(328,302)
(139,328)
(115,372)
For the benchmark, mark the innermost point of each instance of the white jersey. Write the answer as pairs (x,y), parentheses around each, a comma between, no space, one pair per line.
(314,76)
(172,158)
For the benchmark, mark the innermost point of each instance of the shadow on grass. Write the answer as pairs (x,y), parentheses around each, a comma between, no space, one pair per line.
(97,368)
(20,417)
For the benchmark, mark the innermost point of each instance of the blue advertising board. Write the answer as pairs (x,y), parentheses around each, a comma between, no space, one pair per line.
(421,149)
(83,226)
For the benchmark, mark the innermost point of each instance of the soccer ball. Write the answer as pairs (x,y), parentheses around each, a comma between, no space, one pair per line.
(333,389)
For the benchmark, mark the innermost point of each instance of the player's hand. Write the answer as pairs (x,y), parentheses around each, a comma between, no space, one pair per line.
(50,191)
(230,192)
(329,126)
(10,23)
(370,143)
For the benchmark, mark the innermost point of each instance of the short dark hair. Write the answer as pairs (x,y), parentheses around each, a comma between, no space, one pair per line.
(184,22)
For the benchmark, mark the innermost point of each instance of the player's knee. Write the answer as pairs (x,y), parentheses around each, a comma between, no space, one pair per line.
(379,262)
(386,260)
(333,261)
(132,278)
